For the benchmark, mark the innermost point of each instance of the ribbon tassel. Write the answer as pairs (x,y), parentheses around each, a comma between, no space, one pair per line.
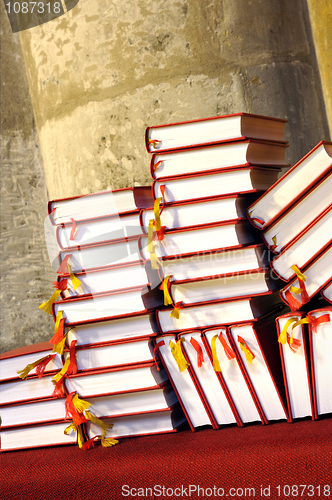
(178,355)
(199,351)
(41,363)
(245,348)
(215,361)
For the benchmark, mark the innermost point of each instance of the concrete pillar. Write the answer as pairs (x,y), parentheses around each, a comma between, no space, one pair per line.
(26,275)
(99,75)
(320,12)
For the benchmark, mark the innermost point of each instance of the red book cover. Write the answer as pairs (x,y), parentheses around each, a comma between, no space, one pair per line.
(182,382)
(297,385)
(310,178)
(221,406)
(299,217)
(231,377)
(262,127)
(138,197)
(245,178)
(320,342)
(266,361)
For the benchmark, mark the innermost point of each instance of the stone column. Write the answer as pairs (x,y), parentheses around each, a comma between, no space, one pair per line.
(26,275)
(102,73)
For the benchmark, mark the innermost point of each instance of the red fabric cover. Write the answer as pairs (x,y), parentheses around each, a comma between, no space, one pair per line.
(233,457)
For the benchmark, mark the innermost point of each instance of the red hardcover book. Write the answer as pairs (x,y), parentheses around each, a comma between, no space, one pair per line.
(115,380)
(230,376)
(217,263)
(256,348)
(228,286)
(113,330)
(317,274)
(145,424)
(107,279)
(42,435)
(215,394)
(36,436)
(320,342)
(326,292)
(216,158)
(119,304)
(113,354)
(191,213)
(296,219)
(201,239)
(292,186)
(213,130)
(101,204)
(18,359)
(96,256)
(294,357)
(219,313)
(240,179)
(157,398)
(98,230)
(185,385)
(305,247)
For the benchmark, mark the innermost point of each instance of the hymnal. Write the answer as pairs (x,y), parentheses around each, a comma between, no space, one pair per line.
(210,158)
(213,130)
(292,185)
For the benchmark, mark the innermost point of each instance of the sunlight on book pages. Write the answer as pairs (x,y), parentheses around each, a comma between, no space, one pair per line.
(100,204)
(200,212)
(98,231)
(213,130)
(292,185)
(110,381)
(258,370)
(73,233)
(231,181)
(81,309)
(183,384)
(96,256)
(238,285)
(106,279)
(35,437)
(232,154)
(297,219)
(221,312)
(189,241)
(232,377)
(208,382)
(321,348)
(295,363)
(13,361)
(217,263)
(304,248)
(317,274)
(116,354)
(22,390)
(141,325)
(142,424)
(327,293)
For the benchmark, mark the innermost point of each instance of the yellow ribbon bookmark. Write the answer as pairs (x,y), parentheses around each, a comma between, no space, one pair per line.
(74,281)
(215,362)
(298,273)
(47,305)
(165,287)
(178,355)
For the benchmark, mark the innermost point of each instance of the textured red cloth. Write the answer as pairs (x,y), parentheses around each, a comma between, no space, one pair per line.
(251,457)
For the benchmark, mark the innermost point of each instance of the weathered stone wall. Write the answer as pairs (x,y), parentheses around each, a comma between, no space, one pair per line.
(102,73)
(107,69)
(25,272)
(320,12)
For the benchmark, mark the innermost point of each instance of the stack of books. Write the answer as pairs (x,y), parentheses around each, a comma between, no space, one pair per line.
(216,279)
(295,216)
(102,344)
